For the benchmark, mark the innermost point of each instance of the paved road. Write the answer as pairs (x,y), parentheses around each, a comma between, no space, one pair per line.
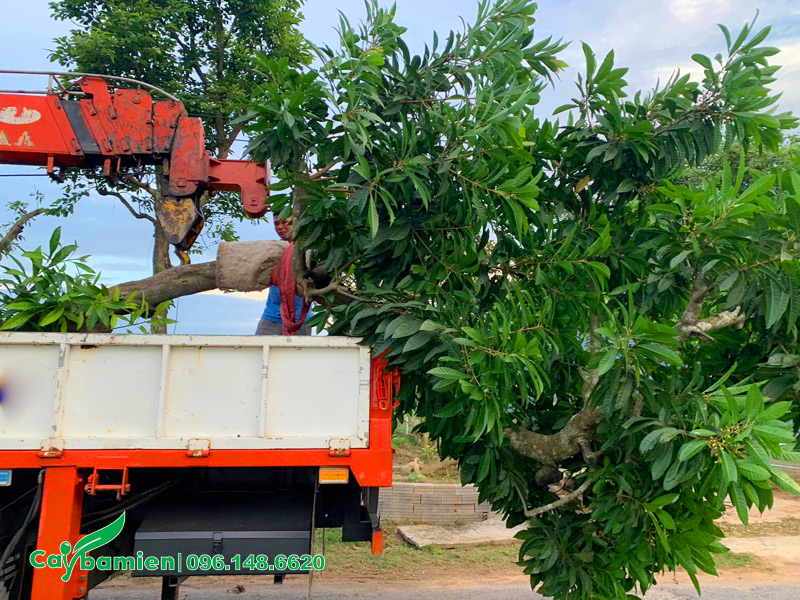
(225,589)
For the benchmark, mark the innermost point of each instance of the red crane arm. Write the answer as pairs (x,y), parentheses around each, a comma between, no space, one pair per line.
(93,126)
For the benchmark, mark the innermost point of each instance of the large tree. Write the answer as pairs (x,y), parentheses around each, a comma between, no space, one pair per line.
(563,312)
(608,354)
(200,51)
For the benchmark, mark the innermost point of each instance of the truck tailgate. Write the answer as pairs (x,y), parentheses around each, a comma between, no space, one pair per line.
(108,391)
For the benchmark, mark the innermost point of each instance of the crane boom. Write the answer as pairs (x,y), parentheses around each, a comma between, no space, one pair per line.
(95,124)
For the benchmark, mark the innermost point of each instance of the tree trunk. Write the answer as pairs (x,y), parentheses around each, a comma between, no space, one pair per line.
(160,264)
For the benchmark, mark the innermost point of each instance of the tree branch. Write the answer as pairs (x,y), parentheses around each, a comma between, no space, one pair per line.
(121,198)
(322,171)
(17,227)
(172,283)
(139,184)
(691,326)
(225,147)
(531,513)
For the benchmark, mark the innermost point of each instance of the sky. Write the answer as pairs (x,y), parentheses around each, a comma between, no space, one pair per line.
(652,38)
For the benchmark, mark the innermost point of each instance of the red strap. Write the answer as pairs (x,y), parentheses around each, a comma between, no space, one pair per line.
(283,277)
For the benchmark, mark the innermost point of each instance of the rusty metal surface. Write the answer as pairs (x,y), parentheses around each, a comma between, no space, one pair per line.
(181,220)
(120,130)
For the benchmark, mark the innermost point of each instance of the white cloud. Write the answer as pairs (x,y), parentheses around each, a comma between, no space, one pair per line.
(688,10)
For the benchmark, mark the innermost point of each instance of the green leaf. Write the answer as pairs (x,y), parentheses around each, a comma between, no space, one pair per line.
(703,61)
(607,361)
(55,239)
(451,409)
(655,436)
(739,501)
(662,463)
(689,450)
(752,472)
(600,268)
(447,373)
(757,187)
(17,321)
(757,453)
(22,305)
(661,353)
(678,259)
(729,471)
(601,244)
(662,501)
(666,519)
(774,434)
(783,481)
(373,219)
(418,340)
(52,316)
(774,411)
(777,300)
(729,281)
(704,433)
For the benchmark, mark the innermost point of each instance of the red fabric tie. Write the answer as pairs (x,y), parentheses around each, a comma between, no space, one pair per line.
(283,277)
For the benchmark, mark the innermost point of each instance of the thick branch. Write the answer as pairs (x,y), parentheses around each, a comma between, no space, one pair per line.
(16,229)
(225,145)
(172,283)
(700,329)
(691,326)
(247,266)
(553,449)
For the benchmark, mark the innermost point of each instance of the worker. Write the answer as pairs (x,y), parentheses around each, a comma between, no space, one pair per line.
(270,322)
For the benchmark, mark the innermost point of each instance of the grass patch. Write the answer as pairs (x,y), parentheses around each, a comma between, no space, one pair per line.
(400,560)
(790,526)
(730,560)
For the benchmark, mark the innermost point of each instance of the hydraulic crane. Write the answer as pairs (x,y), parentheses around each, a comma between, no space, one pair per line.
(114,126)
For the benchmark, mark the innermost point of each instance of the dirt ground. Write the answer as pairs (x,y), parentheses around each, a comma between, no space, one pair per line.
(764,564)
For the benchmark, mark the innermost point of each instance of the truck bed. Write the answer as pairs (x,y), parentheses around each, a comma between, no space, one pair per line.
(157,392)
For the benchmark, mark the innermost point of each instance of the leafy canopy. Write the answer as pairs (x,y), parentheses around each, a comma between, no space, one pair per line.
(560,306)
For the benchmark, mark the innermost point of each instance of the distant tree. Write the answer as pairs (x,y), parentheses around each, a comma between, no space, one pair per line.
(784,160)
(197,50)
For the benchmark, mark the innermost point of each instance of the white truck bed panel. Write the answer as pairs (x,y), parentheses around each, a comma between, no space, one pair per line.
(107,391)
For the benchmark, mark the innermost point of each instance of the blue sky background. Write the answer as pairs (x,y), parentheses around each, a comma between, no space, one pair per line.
(652,37)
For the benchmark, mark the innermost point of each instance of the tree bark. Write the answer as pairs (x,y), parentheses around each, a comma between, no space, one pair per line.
(160,265)
(551,450)
(173,283)
(186,280)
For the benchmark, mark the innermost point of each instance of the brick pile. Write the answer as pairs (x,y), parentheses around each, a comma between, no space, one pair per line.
(442,503)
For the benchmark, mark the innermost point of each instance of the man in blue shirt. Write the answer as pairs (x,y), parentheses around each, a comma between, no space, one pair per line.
(270,322)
